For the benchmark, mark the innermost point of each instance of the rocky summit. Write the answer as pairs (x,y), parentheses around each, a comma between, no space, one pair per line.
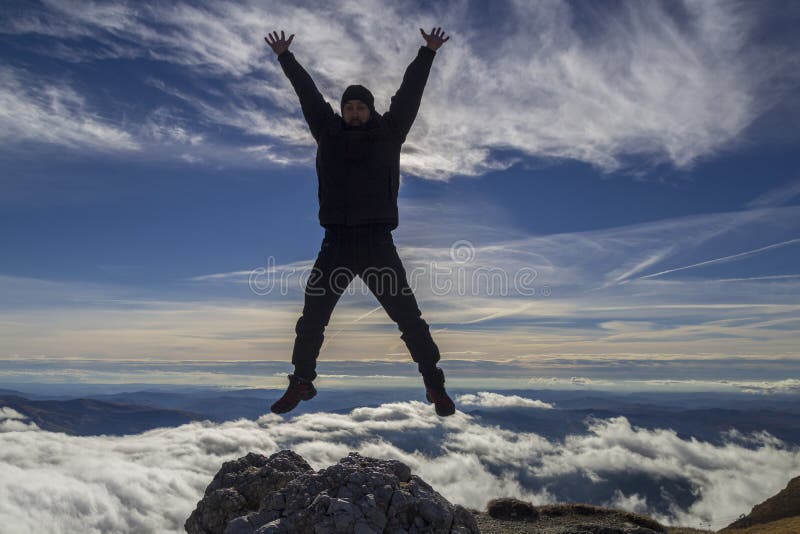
(282,493)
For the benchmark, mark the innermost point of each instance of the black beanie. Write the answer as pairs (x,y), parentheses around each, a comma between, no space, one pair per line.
(359,92)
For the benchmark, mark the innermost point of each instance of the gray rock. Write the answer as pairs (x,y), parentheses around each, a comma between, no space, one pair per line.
(600,529)
(364,528)
(239,525)
(511,509)
(239,486)
(273,527)
(273,501)
(258,495)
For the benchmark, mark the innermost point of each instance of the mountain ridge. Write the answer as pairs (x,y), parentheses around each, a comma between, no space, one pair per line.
(782,506)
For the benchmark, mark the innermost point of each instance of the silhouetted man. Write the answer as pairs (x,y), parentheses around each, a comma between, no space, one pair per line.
(358,167)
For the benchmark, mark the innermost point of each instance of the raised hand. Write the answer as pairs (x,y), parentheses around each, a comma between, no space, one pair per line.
(434,39)
(278,45)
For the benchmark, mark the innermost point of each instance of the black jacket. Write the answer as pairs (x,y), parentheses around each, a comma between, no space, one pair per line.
(359,168)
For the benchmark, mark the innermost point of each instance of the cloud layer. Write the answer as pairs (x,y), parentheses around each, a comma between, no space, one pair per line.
(654,82)
(152,481)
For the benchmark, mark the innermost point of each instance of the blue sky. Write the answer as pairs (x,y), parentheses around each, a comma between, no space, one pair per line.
(639,160)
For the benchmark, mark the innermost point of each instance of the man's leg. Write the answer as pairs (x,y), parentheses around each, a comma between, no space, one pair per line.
(330,277)
(386,278)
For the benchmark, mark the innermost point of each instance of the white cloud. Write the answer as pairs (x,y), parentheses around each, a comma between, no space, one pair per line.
(33,109)
(275,155)
(487,399)
(763,387)
(777,196)
(11,420)
(7,413)
(163,125)
(152,481)
(632,503)
(638,80)
(579,381)
(789,385)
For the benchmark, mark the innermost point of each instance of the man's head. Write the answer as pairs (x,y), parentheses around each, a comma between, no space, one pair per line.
(357,105)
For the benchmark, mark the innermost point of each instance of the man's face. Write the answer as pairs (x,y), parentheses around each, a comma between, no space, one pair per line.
(355,113)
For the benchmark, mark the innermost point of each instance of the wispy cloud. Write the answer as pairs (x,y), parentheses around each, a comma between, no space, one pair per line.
(642,80)
(574,381)
(563,371)
(789,385)
(34,109)
(578,304)
(638,266)
(777,196)
(755,278)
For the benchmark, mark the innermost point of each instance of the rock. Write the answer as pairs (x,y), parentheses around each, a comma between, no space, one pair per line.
(600,529)
(238,486)
(215,510)
(272,527)
(258,495)
(511,509)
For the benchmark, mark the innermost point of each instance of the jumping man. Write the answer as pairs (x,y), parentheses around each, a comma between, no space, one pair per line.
(358,168)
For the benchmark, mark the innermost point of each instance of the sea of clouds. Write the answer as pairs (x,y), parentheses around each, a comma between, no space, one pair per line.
(150,482)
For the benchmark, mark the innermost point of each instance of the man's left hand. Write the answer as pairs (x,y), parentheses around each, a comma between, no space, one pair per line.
(434,39)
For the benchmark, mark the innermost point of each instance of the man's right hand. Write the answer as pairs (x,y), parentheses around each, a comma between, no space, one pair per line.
(278,45)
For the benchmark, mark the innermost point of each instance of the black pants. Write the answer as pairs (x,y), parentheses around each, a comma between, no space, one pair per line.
(366,251)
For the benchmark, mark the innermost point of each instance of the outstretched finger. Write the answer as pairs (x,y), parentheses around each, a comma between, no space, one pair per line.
(283,37)
(292,37)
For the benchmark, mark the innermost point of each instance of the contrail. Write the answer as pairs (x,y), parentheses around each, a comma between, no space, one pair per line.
(724,258)
(357,319)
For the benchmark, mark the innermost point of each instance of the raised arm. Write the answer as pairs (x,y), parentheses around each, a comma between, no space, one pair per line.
(315,110)
(406,101)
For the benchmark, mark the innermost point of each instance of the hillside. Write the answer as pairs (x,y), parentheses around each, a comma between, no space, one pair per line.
(778,514)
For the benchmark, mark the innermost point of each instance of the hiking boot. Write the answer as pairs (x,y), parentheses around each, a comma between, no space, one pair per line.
(435,393)
(299,389)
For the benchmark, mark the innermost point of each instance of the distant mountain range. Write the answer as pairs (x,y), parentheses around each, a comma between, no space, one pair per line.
(138,411)
(87,417)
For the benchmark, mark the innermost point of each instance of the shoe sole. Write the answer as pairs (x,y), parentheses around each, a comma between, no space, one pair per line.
(438,412)
(305,398)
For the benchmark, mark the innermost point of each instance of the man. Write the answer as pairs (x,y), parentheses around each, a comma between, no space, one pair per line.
(358,167)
